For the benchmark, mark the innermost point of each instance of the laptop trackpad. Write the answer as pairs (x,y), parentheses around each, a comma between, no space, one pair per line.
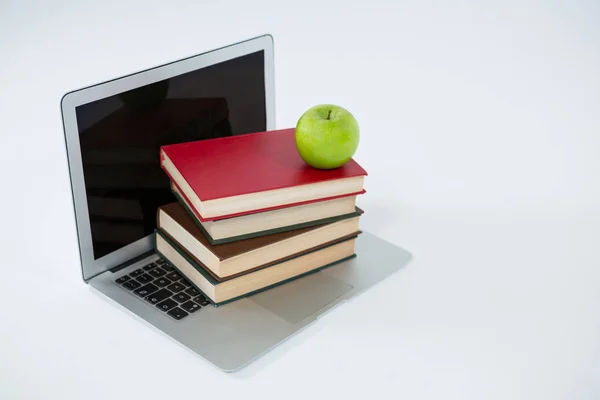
(298,299)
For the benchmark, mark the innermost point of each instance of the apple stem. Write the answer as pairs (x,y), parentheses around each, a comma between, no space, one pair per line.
(329,115)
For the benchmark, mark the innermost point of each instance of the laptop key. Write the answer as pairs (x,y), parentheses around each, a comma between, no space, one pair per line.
(157,272)
(146,290)
(167,267)
(181,297)
(202,300)
(192,291)
(185,283)
(149,267)
(123,279)
(160,261)
(176,287)
(144,278)
(190,306)
(137,272)
(131,284)
(162,282)
(177,313)
(167,304)
(158,296)
(174,276)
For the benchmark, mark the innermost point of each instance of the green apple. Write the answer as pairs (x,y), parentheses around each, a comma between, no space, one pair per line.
(327,136)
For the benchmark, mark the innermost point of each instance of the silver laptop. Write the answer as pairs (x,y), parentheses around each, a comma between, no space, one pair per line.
(113,133)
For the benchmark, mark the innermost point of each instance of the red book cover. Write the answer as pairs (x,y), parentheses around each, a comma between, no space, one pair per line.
(250,163)
(189,205)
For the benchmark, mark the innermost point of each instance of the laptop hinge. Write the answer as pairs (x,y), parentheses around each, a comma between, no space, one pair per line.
(131,261)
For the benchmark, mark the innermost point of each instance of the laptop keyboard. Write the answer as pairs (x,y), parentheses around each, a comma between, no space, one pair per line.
(163,287)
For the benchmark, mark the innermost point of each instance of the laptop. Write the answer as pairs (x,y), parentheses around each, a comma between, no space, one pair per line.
(113,132)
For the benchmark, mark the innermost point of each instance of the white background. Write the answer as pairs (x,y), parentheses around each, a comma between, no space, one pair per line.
(480,131)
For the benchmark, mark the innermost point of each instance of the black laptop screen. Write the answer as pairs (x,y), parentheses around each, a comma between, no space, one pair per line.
(121,136)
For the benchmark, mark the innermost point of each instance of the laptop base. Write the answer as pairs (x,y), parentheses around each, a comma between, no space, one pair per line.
(232,335)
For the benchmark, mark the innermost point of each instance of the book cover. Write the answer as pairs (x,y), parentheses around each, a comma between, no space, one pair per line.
(212,241)
(177,191)
(214,279)
(210,278)
(246,164)
(227,250)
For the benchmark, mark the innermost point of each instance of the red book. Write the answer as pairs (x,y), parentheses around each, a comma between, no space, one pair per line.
(254,172)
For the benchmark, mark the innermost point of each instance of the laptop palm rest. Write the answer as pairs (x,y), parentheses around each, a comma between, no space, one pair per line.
(299,299)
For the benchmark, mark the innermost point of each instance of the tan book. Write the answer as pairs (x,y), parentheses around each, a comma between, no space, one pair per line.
(220,291)
(236,257)
(269,222)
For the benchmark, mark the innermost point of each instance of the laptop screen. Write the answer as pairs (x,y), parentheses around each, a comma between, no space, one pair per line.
(121,135)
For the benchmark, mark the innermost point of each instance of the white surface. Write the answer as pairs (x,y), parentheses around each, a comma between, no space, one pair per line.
(485,120)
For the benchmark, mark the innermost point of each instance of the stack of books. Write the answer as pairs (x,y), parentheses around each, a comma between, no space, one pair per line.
(251,214)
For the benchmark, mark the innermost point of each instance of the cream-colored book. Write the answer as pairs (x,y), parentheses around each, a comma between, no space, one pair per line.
(232,258)
(220,291)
